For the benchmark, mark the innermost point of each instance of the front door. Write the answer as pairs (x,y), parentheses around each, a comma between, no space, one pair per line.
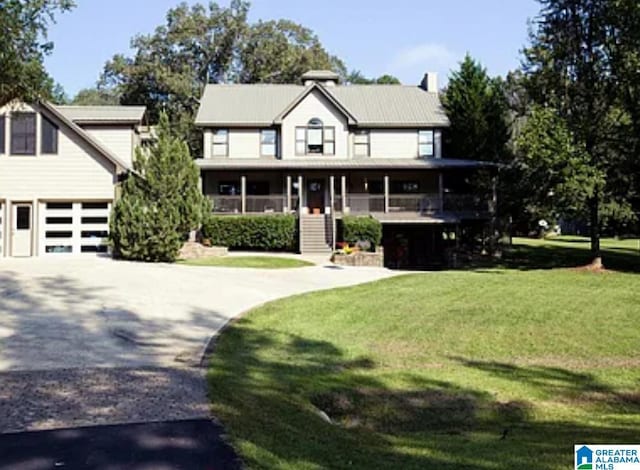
(21,228)
(315,196)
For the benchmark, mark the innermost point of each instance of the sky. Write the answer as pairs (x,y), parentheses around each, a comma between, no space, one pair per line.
(405,38)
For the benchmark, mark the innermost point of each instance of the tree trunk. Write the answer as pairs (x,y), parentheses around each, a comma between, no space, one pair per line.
(596,254)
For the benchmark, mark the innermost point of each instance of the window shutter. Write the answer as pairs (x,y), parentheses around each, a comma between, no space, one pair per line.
(49,137)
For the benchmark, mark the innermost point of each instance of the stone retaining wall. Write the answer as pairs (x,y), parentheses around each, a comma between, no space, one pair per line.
(360,259)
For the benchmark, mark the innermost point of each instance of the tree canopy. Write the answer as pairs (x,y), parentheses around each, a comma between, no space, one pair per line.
(577,64)
(356,77)
(23,46)
(477,108)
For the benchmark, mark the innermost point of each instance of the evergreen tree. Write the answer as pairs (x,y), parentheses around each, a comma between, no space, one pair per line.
(160,202)
(477,108)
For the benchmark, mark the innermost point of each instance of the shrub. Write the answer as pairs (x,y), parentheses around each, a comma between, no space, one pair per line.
(362,230)
(252,232)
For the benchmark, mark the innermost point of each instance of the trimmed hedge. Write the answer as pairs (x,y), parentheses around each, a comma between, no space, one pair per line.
(252,232)
(362,229)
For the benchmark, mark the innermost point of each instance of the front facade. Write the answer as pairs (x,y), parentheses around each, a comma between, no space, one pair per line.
(59,167)
(322,151)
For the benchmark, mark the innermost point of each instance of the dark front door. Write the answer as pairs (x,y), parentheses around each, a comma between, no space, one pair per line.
(315,196)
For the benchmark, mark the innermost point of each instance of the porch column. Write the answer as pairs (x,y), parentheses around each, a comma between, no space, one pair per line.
(441,191)
(386,193)
(332,191)
(288,208)
(300,195)
(243,194)
(343,192)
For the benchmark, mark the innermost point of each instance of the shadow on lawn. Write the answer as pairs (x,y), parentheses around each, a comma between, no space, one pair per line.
(270,388)
(556,255)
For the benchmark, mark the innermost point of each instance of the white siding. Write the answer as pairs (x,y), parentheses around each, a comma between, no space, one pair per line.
(393,143)
(315,105)
(244,143)
(76,172)
(118,139)
(207,141)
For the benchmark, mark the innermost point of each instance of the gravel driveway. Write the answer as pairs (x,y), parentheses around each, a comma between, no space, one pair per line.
(92,340)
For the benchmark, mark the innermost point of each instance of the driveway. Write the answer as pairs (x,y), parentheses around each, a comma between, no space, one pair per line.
(95,341)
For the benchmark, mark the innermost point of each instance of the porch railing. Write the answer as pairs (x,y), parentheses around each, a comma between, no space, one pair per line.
(267,204)
(273,203)
(421,203)
(365,203)
(227,204)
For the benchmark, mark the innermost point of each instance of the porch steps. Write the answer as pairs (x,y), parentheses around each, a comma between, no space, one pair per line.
(315,234)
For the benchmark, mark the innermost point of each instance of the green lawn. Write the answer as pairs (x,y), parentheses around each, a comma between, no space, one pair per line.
(263,262)
(485,369)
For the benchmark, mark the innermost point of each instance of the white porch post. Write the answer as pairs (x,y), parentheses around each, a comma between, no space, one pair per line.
(288,208)
(386,193)
(243,194)
(343,192)
(300,196)
(441,191)
(332,192)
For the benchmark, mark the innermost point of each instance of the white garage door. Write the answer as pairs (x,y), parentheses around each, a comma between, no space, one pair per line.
(74,227)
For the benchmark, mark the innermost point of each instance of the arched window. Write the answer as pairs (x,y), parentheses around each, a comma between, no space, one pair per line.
(315,138)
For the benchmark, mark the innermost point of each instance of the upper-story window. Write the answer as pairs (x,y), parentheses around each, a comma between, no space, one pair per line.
(425,143)
(23,134)
(361,145)
(2,139)
(49,136)
(221,143)
(268,139)
(315,139)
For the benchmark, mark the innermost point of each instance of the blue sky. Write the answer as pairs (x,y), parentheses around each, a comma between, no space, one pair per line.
(404,38)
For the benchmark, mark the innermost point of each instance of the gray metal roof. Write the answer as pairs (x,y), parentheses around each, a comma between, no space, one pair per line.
(103,114)
(327,163)
(370,105)
(391,105)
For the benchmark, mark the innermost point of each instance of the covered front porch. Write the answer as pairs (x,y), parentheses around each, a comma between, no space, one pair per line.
(390,194)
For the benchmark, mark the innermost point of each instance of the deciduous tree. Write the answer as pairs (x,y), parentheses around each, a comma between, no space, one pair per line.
(23,46)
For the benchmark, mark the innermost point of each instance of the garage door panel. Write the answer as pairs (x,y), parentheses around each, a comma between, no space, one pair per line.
(75,227)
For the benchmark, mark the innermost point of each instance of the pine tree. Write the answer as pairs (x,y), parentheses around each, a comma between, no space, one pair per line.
(160,203)
(477,108)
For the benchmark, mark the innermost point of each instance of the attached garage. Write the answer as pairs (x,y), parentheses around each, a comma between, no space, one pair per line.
(73,227)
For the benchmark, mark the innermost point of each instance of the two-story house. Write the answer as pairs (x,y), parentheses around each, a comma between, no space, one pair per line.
(322,150)
(59,168)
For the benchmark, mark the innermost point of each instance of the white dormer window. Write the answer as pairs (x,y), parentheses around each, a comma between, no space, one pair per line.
(425,143)
(221,143)
(315,139)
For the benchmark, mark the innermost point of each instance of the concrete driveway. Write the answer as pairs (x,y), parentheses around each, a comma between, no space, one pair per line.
(95,341)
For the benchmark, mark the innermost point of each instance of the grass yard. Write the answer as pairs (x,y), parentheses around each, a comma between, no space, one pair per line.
(486,369)
(262,262)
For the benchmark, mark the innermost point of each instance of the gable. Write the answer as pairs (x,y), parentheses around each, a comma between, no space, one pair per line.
(315,105)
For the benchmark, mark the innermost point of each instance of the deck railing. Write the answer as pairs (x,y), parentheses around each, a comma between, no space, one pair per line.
(359,203)
(227,204)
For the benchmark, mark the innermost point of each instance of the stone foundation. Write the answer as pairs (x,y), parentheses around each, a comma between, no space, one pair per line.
(360,259)
(194,250)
